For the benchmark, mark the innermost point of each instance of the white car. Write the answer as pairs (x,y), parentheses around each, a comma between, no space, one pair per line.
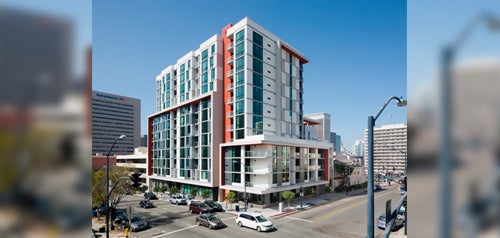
(178,199)
(254,221)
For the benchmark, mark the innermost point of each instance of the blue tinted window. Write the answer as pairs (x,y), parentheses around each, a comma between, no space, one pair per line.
(257,38)
(240,36)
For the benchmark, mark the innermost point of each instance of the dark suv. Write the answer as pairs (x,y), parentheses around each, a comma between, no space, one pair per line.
(216,207)
(150,196)
(199,207)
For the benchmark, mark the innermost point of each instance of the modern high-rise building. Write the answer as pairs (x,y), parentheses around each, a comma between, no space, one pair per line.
(322,129)
(389,148)
(230,118)
(112,116)
(185,132)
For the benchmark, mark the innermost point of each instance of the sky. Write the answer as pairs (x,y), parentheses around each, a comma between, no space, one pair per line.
(356,50)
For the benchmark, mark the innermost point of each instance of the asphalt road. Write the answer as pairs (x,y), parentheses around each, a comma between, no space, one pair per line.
(343,218)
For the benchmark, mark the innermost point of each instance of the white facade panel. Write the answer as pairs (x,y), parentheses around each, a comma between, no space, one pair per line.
(268,70)
(269,84)
(269,124)
(269,45)
(269,111)
(269,58)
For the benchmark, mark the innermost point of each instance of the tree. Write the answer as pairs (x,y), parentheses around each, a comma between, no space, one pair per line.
(156,188)
(144,188)
(231,197)
(99,185)
(205,193)
(288,195)
(174,190)
(194,192)
(163,188)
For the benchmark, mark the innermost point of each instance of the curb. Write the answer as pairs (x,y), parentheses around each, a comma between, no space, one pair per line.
(284,213)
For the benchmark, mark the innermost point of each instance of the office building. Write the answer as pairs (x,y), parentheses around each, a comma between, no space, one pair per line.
(389,148)
(230,118)
(322,128)
(112,116)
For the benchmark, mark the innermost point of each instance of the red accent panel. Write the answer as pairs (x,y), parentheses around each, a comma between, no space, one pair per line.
(302,59)
(227,81)
(226,41)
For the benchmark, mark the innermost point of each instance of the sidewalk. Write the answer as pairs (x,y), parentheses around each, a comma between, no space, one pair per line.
(307,203)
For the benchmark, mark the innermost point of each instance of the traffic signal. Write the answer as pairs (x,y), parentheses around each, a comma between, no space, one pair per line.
(135,180)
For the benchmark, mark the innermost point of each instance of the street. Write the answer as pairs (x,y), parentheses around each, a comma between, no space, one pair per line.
(342,218)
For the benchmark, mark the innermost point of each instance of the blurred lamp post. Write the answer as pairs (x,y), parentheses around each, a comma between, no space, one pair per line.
(447,59)
(107,183)
(371,124)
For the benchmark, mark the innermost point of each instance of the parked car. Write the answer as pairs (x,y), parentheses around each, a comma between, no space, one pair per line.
(178,199)
(146,204)
(136,224)
(399,222)
(216,207)
(199,207)
(254,221)
(100,210)
(211,221)
(150,196)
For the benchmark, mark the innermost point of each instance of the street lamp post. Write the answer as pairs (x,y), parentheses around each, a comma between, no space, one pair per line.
(107,183)
(447,59)
(244,182)
(371,124)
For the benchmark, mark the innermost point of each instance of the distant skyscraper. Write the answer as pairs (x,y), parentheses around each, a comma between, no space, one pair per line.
(112,116)
(338,142)
(357,148)
(144,141)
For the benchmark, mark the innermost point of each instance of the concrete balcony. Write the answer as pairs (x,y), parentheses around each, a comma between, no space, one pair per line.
(257,170)
(258,154)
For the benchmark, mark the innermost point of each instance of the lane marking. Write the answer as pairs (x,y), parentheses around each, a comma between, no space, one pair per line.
(172,232)
(300,219)
(316,219)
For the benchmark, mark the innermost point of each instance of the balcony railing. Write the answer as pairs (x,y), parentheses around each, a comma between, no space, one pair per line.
(230,113)
(230,73)
(230,127)
(230,87)
(229,60)
(258,154)
(257,169)
(230,100)
(230,46)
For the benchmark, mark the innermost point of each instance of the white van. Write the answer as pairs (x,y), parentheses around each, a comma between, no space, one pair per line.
(254,221)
